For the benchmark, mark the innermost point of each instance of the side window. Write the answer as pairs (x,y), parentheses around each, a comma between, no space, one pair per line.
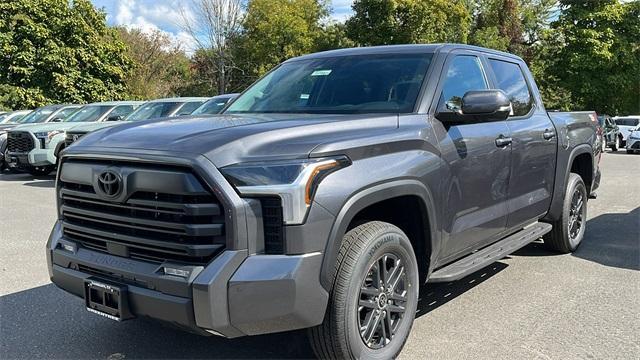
(464,74)
(122,110)
(65,113)
(511,80)
(188,108)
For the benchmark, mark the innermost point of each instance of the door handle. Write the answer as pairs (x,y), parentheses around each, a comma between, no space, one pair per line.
(502,141)
(548,134)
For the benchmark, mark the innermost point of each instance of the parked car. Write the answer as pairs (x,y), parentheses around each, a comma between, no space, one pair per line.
(633,141)
(611,132)
(7,121)
(323,197)
(12,117)
(35,147)
(171,107)
(626,124)
(214,105)
(50,113)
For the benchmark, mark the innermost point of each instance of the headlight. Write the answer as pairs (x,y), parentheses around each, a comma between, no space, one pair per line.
(48,135)
(294,181)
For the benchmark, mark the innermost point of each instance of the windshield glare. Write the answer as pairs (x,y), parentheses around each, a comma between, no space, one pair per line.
(38,116)
(153,110)
(89,113)
(339,85)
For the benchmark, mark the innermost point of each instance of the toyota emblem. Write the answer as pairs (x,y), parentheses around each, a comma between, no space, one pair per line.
(109,183)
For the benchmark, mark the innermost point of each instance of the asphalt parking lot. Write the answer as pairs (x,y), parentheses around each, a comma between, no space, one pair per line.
(532,304)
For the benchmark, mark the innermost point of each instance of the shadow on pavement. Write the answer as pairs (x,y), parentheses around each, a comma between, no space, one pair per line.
(9,176)
(42,183)
(434,295)
(46,322)
(611,239)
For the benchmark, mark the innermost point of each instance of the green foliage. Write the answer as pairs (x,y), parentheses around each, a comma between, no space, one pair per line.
(160,67)
(275,31)
(593,52)
(380,22)
(58,51)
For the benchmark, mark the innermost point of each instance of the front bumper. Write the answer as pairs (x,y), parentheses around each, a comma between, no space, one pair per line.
(633,144)
(234,295)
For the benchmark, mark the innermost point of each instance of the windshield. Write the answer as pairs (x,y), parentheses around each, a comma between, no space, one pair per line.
(38,116)
(153,110)
(213,106)
(339,85)
(628,121)
(89,113)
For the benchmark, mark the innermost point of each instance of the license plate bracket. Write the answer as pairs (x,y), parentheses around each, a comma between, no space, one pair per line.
(107,299)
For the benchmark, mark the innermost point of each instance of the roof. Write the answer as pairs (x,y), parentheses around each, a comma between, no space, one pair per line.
(396,49)
(114,103)
(181,99)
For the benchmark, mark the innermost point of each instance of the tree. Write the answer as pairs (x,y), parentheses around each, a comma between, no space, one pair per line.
(592,51)
(213,24)
(275,31)
(379,22)
(58,51)
(160,68)
(510,25)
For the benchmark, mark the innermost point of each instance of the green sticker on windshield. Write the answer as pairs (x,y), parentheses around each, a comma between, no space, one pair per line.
(321,73)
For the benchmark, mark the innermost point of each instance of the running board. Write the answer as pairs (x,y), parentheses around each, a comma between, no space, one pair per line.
(481,258)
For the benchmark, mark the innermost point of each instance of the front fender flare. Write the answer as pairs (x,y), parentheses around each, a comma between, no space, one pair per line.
(369,196)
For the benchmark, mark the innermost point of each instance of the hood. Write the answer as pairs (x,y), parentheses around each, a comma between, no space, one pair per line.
(228,139)
(7,127)
(92,126)
(51,126)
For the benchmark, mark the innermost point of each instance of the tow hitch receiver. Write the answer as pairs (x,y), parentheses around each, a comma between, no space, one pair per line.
(108,300)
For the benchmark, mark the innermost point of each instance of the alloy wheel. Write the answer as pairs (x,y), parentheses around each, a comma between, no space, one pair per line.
(382,300)
(576,214)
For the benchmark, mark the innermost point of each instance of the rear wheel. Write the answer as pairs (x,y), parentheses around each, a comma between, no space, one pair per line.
(630,151)
(568,231)
(41,170)
(374,296)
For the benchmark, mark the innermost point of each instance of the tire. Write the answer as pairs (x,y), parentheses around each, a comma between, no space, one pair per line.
(616,144)
(568,231)
(630,151)
(41,170)
(363,250)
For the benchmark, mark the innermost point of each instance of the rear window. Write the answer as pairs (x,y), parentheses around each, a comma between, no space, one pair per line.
(627,121)
(511,80)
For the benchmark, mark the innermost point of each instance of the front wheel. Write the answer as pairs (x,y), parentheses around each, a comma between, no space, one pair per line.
(616,144)
(374,296)
(568,231)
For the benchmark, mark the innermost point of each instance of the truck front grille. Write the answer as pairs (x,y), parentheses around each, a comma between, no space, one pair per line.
(20,142)
(179,220)
(72,137)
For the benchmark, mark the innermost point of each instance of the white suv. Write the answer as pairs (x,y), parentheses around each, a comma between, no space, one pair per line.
(633,141)
(626,124)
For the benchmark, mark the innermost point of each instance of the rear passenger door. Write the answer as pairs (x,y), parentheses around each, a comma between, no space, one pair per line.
(534,144)
(474,185)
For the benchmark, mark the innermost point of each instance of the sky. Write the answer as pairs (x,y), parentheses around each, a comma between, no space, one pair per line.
(163,15)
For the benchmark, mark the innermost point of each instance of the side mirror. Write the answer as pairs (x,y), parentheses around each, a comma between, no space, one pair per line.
(479,106)
(56,119)
(115,118)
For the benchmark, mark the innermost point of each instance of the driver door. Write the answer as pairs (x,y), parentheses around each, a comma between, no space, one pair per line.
(475,185)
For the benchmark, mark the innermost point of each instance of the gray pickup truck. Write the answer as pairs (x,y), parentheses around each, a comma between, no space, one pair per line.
(324,197)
